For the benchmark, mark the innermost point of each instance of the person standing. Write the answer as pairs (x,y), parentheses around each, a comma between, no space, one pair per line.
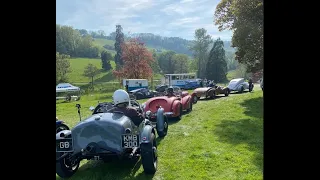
(127,86)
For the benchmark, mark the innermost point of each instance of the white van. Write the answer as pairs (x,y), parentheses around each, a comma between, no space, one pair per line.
(135,83)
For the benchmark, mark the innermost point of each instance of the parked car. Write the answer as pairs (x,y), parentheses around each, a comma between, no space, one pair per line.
(173,105)
(191,85)
(60,125)
(104,135)
(161,88)
(204,92)
(221,90)
(143,93)
(238,85)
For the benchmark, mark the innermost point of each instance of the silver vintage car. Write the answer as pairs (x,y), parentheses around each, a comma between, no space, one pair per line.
(106,135)
(238,85)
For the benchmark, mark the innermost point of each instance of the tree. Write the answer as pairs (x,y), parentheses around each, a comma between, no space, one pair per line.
(137,60)
(245,19)
(155,65)
(101,33)
(117,47)
(181,63)
(200,50)
(242,71)
(105,60)
(166,62)
(62,67)
(232,63)
(76,43)
(91,71)
(217,65)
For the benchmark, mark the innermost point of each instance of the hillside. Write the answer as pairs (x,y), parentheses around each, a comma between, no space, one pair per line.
(159,43)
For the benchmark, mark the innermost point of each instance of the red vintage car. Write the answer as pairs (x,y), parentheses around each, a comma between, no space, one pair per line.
(173,105)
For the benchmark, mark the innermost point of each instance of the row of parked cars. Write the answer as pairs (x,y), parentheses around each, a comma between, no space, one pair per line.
(105,136)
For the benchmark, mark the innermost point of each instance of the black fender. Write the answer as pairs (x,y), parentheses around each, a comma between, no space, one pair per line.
(58,122)
(160,119)
(146,134)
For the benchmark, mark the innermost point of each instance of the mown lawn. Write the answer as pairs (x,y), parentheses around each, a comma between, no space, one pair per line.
(78,66)
(219,139)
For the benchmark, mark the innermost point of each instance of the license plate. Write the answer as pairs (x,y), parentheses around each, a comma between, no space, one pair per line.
(64,145)
(130,140)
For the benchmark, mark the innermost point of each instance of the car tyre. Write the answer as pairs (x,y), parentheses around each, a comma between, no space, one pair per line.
(149,155)
(227,92)
(63,167)
(190,107)
(61,127)
(180,112)
(241,89)
(68,98)
(194,99)
(213,95)
(164,132)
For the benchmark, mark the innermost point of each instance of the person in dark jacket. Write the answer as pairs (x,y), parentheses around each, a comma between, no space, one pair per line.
(170,91)
(121,101)
(127,86)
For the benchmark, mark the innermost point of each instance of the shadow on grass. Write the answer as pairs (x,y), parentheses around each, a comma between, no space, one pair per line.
(254,107)
(116,169)
(237,92)
(248,131)
(243,131)
(208,99)
(106,78)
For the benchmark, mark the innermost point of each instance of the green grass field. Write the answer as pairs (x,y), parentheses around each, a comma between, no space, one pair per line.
(220,139)
(77,68)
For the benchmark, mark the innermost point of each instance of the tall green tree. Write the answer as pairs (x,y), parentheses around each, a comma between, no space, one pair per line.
(245,19)
(105,60)
(91,71)
(181,63)
(62,67)
(117,45)
(217,65)
(166,62)
(200,50)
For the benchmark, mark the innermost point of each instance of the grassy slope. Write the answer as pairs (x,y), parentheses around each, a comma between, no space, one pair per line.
(101,42)
(231,74)
(219,139)
(78,65)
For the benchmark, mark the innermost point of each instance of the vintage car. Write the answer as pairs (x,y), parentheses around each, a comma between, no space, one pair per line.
(143,93)
(173,105)
(104,136)
(60,125)
(221,90)
(204,92)
(191,85)
(161,88)
(238,85)
(211,92)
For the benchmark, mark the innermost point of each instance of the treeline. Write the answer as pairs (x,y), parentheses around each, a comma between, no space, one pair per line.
(177,44)
(71,42)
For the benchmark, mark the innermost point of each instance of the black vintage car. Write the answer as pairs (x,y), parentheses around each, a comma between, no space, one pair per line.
(106,135)
(161,88)
(142,93)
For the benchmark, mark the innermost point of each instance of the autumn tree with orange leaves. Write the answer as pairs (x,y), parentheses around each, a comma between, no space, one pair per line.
(137,60)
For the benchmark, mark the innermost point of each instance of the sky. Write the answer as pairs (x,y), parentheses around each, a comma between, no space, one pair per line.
(170,18)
